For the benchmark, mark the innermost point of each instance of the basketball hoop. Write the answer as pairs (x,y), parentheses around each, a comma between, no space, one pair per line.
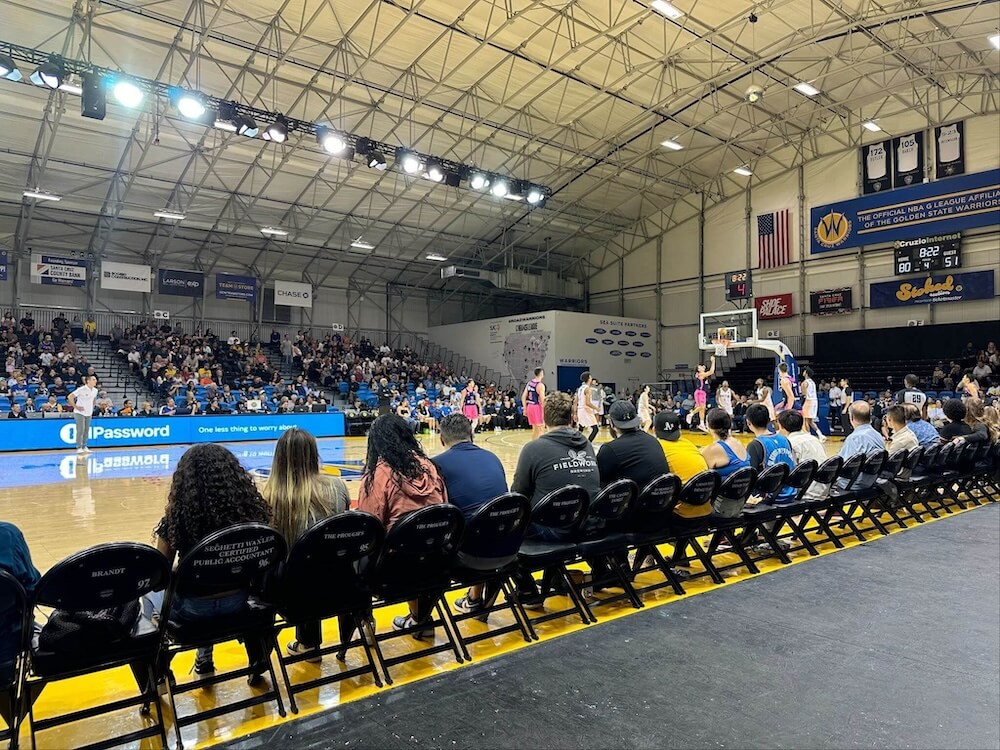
(721,347)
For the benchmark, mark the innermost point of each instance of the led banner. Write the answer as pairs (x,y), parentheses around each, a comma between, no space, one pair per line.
(952,205)
(231,286)
(110,432)
(921,290)
(292,294)
(774,306)
(125,277)
(831,301)
(180,283)
(58,271)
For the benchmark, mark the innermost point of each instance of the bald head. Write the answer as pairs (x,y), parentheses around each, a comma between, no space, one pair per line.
(861,413)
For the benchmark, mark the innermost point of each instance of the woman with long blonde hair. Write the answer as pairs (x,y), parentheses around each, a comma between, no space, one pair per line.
(980,419)
(301,496)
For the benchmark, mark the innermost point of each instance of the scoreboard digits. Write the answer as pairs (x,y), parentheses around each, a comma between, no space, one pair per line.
(927,254)
(739,285)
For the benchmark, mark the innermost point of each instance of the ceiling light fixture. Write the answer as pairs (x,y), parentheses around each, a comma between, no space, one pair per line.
(377,161)
(806,89)
(273,232)
(434,171)
(995,40)
(435,257)
(872,126)
(277,131)
(671,144)
(667,9)
(247,127)
(360,244)
(72,85)
(171,215)
(8,69)
(127,93)
(500,188)
(40,195)
(408,160)
(329,140)
(227,118)
(534,196)
(744,171)
(48,75)
(479,181)
(190,104)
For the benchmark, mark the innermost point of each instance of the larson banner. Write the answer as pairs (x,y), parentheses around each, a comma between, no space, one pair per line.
(180,283)
(774,306)
(922,290)
(952,205)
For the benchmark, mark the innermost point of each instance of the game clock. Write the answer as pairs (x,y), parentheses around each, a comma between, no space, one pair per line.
(739,285)
(927,254)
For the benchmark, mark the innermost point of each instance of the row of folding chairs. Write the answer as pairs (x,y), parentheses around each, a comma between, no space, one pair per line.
(346,566)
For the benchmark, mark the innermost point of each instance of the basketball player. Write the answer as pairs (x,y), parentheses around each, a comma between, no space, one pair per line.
(848,399)
(785,386)
(810,404)
(764,397)
(645,410)
(968,387)
(533,403)
(471,403)
(701,394)
(911,394)
(724,398)
(586,415)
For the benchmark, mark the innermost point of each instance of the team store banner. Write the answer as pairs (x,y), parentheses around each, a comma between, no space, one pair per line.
(57,271)
(125,277)
(292,294)
(922,290)
(180,283)
(952,205)
(232,286)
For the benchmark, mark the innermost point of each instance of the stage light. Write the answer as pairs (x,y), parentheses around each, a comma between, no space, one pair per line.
(246,126)
(435,257)
(872,126)
(127,93)
(8,69)
(995,41)
(329,140)
(40,195)
(668,9)
(743,171)
(535,196)
(273,232)
(72,85)
(479,181)
(671,144)
(48,75)
(190,104)
(277,131)
(171,215)
(377,161)
(227,118)
(408,160)
(453,178)
(434,171)
(500,188)
(807,89)
(360,244)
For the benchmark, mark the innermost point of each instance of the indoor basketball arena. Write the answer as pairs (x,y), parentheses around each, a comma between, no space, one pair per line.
(500,374)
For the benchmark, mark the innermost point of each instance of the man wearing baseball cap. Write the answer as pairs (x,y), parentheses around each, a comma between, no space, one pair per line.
(633,454)
(683,456)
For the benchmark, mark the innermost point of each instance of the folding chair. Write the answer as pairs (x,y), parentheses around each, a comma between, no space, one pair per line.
(487,556)
(96,593)
(234,564)
(893,469)
(321,580)
(758,520)
(846,477)
(969,457)
(727,507)
(15,630)
(800,479)
(682,533)
(417,558)
(559,513)
(651,516)
(945,477)
(826,474)
(919,486)
(862,492)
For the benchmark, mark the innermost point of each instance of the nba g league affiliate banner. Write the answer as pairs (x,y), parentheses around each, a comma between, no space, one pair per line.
(946,206)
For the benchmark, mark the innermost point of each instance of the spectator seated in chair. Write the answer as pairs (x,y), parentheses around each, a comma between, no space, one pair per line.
(955,424)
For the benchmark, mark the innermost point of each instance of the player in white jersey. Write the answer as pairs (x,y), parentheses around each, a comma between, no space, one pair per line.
(586,415)
(764,397)
(949,144)
(875,161)
(645,410)
(810,404)
(724,398)
(906,154)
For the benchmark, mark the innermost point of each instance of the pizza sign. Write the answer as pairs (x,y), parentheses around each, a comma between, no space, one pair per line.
(774,306)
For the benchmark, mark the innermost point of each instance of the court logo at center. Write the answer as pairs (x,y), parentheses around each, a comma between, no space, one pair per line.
(833,229)
(68,434)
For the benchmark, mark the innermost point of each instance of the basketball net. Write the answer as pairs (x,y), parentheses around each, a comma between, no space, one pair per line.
(721,347)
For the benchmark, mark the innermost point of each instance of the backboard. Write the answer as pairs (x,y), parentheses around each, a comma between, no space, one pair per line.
(728,328)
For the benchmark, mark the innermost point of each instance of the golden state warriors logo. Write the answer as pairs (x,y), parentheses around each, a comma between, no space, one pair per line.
(833,229)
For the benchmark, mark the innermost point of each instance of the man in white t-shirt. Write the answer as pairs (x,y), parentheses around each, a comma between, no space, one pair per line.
(805,446)
(82,401)
(836,395)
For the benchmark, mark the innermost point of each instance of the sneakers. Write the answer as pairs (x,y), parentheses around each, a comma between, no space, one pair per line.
(468,605)
(295,648)
(204,664)
(406,621)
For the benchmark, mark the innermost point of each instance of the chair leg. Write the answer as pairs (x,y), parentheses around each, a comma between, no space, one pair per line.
(799,532)
(665,569)
(171,684)
(451,628)
(366,632)
(740,550)
(622,576)
(520,616)
(284,675)
(706,561)
(772,542)
(582,608)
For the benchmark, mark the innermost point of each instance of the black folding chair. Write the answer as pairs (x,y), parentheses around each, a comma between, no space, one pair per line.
(793,512)
(919,486)
(417,559)
(894,468)
(826,474)
(683,533)
(727,509)
(98,626)
(652,514)
(15,630)
(232,563)
(861,493)
(487,556)
(756,518)
(560,512)
(323,579)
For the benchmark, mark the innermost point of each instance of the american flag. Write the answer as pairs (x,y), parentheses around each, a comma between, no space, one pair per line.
(772,239)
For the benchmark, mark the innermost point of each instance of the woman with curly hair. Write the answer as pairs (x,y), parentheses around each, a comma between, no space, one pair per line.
(209,491)
(398,479)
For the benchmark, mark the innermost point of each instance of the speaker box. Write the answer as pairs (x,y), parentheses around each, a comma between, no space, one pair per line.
(93,100)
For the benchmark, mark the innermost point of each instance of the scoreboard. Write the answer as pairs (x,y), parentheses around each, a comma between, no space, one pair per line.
(739,285)
(927,254)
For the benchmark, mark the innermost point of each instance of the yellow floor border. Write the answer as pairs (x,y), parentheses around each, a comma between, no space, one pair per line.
(66,696)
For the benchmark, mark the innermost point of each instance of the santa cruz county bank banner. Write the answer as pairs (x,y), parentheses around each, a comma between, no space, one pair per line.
(921,290)
(951,205)
(110,432)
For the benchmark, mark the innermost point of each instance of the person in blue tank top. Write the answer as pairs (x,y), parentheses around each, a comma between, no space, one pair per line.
(727,454)
(767,450)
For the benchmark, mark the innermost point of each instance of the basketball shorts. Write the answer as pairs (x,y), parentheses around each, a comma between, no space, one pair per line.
(700,398)
(534,414)
(472,412)
(810,409)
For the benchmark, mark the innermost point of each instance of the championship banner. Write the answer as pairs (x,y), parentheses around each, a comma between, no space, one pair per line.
(231,286)
(908,151)
(832,301)
(774,306)
(949,150)
(922,290)
(58,271)
(954,205)
(292,294)
(3,265)
(876,167)
(180,283)
(126,277)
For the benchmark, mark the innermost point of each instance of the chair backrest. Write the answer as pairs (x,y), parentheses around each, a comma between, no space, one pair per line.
(850,469)
(913,459)
(334,545)
(930,456)
(827,471)
(421,546)
(13,621)
(871,467)
(894,464)
(967,456)
(770,481)
(945,456)
(563,508)
(699,489)
(237,558)
(657,496)
(103,576)
(614,502)
(801,477)
(497,528)
(731,497)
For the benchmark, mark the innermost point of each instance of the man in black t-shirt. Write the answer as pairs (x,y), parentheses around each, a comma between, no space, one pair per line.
(954,412)
(911,394)
(634,454)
